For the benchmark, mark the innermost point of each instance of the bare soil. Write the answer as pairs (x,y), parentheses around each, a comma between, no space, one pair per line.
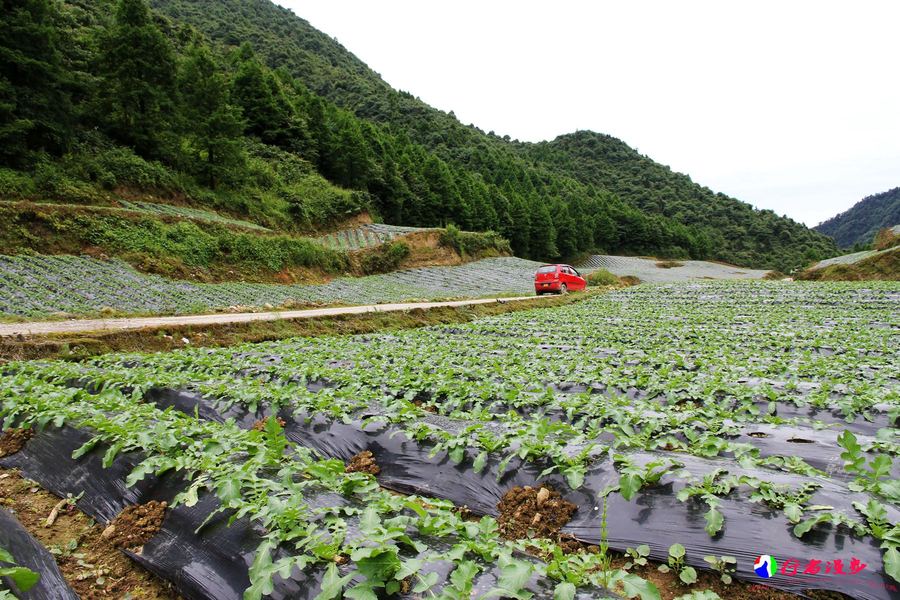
(363,218)
(364,462)
(427,407)
(13,440)
(135,525)
(261,424)
(533,512)
(426,251)
(91,565)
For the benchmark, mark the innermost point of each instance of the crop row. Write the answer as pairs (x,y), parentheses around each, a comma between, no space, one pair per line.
(33,286)
(185,212)
(365,236)
(314,515)
(784,394)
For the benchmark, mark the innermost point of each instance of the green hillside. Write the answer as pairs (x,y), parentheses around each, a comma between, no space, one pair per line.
(244,108)
(739,233)
(858,225)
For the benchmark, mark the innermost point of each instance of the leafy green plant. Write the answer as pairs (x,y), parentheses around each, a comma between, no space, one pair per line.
(712,365)
(604,559)
(573,570)
(514,576)
(724,565)
(24,579)
(881,529)
(578,568)
(834,517)
(874,476)
(791,500)
(675,562)
(474,244)
(633,477)
(637,557)
(709,488)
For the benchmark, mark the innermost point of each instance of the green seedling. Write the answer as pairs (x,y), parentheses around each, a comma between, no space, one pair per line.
(637,557)
(632,477)
(675,562)
(874,476)
(724,565)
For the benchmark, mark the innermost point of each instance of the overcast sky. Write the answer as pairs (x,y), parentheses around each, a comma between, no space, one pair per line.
(788,105)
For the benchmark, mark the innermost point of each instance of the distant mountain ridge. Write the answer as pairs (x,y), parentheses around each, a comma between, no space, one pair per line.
(860,223)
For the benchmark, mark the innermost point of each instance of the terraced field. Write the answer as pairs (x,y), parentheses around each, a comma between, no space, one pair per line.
(365,236)
(647,270)
(707,426)
(184,212)
(849,259)
(36,286)
(153,208)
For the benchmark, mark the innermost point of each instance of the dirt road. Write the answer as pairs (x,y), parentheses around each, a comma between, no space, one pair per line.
(86,325)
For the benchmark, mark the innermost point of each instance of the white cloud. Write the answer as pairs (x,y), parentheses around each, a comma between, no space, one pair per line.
(791,106)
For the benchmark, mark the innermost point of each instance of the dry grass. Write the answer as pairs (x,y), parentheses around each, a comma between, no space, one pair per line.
(669,264)
(881,267)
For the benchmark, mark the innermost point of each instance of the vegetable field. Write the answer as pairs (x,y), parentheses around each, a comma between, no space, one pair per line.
(185,212)
(35,286)
(654,271)
(698,425)
(154,208)
(365,236)
(849,259)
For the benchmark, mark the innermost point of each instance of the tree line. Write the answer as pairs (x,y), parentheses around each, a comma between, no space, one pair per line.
(75,72)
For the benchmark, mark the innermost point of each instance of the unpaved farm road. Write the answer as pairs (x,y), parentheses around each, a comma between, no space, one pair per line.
(87,325)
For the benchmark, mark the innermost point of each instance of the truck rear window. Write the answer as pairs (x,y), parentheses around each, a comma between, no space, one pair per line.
(551,269)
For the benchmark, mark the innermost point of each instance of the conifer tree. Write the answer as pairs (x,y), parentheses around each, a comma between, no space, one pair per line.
(520,227)
(213,126)
(35,110)
(269,114)
(137,69)
(542,232)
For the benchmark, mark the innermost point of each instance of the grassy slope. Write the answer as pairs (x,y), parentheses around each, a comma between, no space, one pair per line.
(207,250)
(166,245)
(884,266)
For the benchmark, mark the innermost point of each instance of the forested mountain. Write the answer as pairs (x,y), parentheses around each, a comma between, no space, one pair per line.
(242,105)
(858,225)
